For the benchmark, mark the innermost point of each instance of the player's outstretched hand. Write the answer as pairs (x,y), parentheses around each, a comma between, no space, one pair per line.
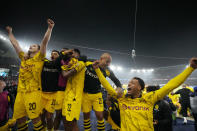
(193,62)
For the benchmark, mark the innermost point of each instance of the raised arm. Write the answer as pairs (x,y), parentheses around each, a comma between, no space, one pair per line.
(13,40)
(105,83)
(103,80)
(47,37)
(176,82)
(115,79)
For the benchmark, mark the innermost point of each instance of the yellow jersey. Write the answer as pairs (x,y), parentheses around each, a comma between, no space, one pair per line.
(191,89)
(73,93)
(30,73)
(174,98)
(75,83)
(137,114)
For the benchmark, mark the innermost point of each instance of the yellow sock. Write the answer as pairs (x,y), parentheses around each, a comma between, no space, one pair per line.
(22,127)
(87,125)
(38,126)
(101,125)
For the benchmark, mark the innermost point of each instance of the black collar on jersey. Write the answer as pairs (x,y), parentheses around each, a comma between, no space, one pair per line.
(129,96)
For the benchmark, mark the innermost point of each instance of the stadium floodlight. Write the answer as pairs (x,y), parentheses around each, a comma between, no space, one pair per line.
(26,48)
(151,70)
(132,70)
(148,70)
(112,67)
(2,37)
(24,45)
(142,70)
(119,68)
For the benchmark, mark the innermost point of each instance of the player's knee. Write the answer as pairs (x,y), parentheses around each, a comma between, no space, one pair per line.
(22,124)
(105,114)
(36,120)
(86,115)
(21,120)
(100,116)
(58,114)
(49,115)
(65,121)
(69,123)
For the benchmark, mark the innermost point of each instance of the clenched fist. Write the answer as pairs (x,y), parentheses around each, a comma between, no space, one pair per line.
(9,29)
(50,23)
(95,64)
(193,62)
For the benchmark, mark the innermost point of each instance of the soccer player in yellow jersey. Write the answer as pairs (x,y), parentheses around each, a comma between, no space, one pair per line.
(136,109)
(28,99)
(92,95)
(75,72)
(49,78)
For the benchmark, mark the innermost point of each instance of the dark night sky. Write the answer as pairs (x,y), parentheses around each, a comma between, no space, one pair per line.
(164,28)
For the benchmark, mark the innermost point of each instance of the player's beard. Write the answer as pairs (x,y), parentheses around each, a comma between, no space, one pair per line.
(29,53)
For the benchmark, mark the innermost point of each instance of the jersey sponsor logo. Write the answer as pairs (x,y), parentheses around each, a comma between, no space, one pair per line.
(124,107)
(91,74)
(143,108)
(142,101)
(26,67)
(49,70)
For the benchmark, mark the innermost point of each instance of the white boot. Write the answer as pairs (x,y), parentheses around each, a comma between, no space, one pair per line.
(185,120)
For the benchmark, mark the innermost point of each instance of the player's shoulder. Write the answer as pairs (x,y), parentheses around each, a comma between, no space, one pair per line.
(87,63)
(148,95)
(46,60)
(108,71)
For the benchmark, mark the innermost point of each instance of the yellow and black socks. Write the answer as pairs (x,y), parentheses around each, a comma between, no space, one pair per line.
(22,127)
(39,126)
(101,125)
(87,125)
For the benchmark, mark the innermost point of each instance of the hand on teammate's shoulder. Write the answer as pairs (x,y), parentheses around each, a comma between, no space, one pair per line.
(95,64)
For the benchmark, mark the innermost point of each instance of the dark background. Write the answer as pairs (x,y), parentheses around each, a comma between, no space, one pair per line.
(163,28)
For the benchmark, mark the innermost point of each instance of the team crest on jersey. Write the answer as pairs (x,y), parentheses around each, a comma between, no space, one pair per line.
(107,72)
